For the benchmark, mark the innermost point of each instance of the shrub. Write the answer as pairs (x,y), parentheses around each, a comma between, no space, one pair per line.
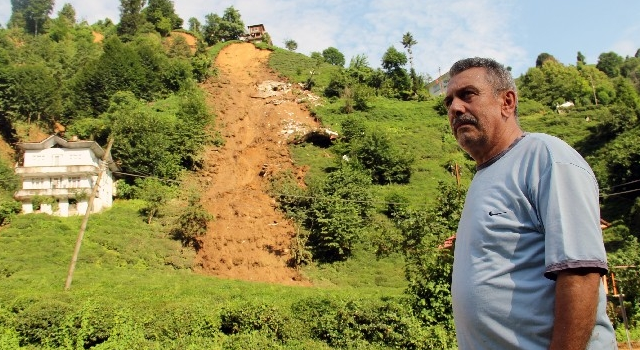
(192,223)
(249,318)
(338,213)
(42,322)
(8,208)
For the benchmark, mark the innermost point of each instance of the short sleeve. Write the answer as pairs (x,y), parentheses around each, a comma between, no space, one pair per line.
(569,210)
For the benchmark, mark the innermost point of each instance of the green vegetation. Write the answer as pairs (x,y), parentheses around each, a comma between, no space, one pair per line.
(379,200)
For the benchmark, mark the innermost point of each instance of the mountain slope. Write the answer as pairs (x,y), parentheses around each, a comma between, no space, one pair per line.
(249,238)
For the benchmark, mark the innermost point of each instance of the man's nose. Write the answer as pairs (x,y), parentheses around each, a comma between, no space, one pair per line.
(455,108)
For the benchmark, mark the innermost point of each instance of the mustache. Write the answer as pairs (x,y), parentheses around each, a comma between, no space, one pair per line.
(463,119)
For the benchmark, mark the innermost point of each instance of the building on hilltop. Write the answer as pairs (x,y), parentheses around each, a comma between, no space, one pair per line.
(257,33)
(439,86)
(59,175)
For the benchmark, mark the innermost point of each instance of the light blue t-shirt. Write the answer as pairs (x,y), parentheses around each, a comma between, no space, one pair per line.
(529,213)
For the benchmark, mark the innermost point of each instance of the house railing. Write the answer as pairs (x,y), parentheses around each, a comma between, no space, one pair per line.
(70,192)
(69,170)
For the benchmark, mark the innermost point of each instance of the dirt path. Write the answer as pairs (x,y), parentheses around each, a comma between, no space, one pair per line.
(248,239)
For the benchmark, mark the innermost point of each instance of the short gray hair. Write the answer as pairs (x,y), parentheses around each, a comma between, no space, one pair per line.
(498,76)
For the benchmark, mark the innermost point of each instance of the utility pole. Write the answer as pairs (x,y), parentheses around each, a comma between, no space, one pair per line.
(83,227)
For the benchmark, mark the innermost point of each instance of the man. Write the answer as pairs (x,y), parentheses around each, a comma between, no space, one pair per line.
(529,251)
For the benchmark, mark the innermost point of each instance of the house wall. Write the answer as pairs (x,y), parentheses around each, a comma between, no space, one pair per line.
(59,157)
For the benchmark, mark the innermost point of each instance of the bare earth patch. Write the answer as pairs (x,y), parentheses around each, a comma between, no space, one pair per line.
(249,238)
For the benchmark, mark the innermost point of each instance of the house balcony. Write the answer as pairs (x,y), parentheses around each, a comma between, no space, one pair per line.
(52,192)
(70,170)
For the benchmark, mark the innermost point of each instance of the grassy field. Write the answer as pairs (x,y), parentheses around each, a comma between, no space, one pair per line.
(134,272)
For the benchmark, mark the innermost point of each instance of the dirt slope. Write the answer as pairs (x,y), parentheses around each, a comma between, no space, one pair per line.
(249,239)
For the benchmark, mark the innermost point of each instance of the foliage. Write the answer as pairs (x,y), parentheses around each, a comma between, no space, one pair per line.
(131,18)
(375,152)
(228,27)
(428,267)
(32,93)
(31,15)
(338,213)
(543,58)
(192,222)
(332,56)
(609,63)
(249,318)
(155,194)
(290,44)
(162,15)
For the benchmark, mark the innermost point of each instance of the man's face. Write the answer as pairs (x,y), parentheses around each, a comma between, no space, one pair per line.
(475,113)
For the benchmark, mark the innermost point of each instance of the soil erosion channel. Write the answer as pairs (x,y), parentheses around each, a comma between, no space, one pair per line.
(249,238)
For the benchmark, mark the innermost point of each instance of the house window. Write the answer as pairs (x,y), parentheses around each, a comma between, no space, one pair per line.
(56,182)
(37,183)
(74,182)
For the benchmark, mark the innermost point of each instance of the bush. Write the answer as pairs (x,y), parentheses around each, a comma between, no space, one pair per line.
(42,323)
(192,223)
(249,318)
(387,164)
(8,208)
(338,213)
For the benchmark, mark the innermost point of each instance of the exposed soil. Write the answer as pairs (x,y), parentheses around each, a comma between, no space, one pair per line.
(249,238)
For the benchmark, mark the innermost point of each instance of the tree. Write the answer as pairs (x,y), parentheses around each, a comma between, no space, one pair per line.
(393,60)
(68,13)
(194,25)
(225,28)
(544,57)
(408,41)
(155,194)
(162,15)
(31,93)
(332,56)
(610,63)
(231,26)
(130,17)
(580,59)
(290,44)
(31,14)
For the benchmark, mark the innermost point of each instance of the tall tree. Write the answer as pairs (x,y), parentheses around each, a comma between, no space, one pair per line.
(580,58)
(408,41)
(30,14)
(130,16)
(194,25)
(68,13)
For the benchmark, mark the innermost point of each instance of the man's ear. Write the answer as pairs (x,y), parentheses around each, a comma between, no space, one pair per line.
(509,103)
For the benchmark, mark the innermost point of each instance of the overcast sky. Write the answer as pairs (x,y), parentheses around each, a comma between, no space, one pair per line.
(513,32)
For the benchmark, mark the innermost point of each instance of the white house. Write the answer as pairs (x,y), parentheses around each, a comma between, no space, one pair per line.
(439,86)
(61,175)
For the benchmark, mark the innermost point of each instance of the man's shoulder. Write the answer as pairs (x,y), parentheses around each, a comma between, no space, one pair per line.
(553,146)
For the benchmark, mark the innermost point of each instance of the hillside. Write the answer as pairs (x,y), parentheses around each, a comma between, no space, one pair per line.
(248,239)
